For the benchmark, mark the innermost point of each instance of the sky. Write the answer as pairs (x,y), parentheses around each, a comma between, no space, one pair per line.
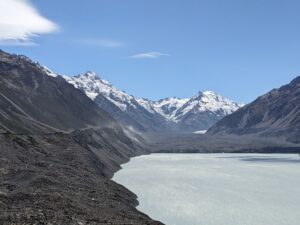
(161,48)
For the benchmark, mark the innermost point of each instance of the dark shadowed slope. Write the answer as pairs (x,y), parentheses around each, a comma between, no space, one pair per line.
(31,101)
(273,115)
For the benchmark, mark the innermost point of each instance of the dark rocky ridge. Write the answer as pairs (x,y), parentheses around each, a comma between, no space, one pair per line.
(274,115)
(58,153)
(32,102)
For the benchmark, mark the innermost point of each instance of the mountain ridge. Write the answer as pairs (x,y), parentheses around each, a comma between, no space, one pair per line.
(275,114)
(165,115)
(171,114)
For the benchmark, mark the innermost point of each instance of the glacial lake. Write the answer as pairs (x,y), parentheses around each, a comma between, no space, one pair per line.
(216,189)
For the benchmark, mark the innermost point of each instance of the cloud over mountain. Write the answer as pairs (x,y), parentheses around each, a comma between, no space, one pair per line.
(20,21)
(148,55)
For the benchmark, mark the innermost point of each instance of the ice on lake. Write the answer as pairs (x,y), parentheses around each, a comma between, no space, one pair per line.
(216,189)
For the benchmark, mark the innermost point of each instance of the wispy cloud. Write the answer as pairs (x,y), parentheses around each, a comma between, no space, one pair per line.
(101,43)
(26,43)
(148,55)
(20,21)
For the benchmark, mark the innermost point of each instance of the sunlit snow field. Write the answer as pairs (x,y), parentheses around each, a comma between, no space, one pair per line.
(216,189)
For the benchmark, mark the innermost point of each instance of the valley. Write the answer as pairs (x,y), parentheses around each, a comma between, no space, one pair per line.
(63,138)
(153,112)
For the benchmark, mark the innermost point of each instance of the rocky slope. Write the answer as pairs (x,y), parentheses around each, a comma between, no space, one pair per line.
(64,179)
(59,151)
(273,115)
(33,102)
(166,115)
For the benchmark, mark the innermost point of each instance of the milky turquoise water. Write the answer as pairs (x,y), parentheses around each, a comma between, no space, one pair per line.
(216,189)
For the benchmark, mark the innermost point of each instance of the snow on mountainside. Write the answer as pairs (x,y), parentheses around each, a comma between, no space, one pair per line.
(123,107)
(165,107)
(169,106)
(208,101)
(92,85)
(37,64)
(175,108)
(204,110)
(194,114)
(147,104)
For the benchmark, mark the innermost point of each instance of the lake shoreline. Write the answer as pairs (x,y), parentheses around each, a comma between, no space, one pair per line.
(262,163)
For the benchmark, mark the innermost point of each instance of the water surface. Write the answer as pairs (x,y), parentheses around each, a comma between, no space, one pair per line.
(216,189)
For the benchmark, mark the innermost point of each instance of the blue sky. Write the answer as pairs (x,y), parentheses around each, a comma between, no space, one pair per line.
(163,48)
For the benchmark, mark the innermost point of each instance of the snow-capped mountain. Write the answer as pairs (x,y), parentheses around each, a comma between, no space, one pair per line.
(174,109)
(169,114)
(194,114)
(123,107)
(166,107)
(204,110)
(208,101)
(92,85)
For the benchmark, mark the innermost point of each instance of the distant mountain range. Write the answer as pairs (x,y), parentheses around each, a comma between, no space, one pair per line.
(166,115)
(173,115)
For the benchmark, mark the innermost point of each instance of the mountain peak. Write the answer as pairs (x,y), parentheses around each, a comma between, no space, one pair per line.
(90,75)
(169,99)
(210,93)
(206,94)
(296,80)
